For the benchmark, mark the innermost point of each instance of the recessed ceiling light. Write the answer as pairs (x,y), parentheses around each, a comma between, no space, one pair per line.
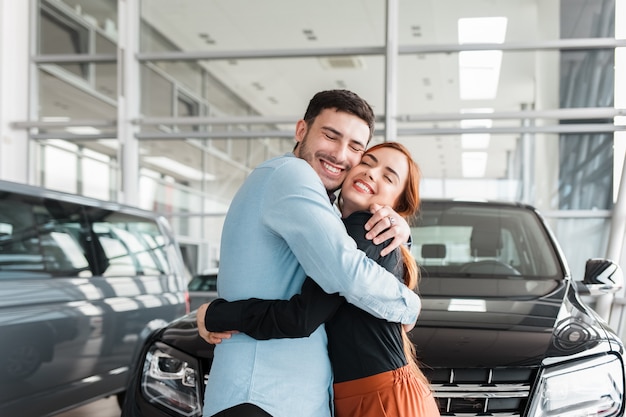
(474,164)
(479,71)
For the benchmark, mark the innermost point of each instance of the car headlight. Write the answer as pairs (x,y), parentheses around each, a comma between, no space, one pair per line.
(171,379)
(585,388)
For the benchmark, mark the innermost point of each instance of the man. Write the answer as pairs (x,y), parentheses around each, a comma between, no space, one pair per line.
(280,228)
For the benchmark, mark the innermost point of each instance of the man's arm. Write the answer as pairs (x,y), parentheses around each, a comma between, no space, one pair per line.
(298,316)
(381,227)
(296,208)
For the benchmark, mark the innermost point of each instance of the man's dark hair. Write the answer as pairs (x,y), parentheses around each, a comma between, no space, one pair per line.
(342,100)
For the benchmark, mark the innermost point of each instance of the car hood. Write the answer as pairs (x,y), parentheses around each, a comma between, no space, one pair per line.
(502,329)
(494,331)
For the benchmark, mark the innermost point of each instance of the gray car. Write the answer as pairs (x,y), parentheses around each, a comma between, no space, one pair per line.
(82,284)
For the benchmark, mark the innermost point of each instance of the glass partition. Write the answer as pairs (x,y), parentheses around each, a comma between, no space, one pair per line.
(499,100)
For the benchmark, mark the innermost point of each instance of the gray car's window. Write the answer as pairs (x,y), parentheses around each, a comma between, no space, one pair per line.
(42,238)
(133,246)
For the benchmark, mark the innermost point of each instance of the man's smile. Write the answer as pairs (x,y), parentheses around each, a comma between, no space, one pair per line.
(333,169)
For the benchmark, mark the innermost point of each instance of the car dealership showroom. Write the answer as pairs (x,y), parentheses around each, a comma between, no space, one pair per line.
(127,128)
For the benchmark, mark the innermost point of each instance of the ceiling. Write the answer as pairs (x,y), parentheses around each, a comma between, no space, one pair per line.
(427,83)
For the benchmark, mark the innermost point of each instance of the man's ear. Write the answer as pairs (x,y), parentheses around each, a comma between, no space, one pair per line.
(301,129)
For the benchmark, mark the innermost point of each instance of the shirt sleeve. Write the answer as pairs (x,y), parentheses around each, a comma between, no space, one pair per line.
(299,316)
(296,207)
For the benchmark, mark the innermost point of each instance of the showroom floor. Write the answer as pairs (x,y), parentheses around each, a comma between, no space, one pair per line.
(102,408)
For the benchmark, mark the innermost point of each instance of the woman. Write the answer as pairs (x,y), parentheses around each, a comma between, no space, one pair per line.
(373,361)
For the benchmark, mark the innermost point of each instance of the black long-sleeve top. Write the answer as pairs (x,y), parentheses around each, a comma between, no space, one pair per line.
(359,344)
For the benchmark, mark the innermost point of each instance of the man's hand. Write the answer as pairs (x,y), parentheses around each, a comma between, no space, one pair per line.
(387,224)
(214,338)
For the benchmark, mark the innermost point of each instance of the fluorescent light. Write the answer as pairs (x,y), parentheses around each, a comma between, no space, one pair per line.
(479,71)
(178,168)
(474,164)
(457,304)
(482,29)
(475,140)
(479,74)
(83,130)
(110,143)
(55,119)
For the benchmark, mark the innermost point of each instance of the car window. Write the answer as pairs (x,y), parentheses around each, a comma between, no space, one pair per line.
(44,237)
(466,239)
(131,246)
(203,283)
(48,238)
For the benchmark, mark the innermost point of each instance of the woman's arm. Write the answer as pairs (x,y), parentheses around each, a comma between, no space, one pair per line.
(303,313)
(299,316)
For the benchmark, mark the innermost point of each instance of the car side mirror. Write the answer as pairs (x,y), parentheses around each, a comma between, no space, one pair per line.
(603,276)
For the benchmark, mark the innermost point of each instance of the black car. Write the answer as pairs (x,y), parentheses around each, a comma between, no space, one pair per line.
(503,329)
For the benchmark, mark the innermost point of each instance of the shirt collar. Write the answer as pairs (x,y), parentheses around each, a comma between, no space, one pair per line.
(331,194)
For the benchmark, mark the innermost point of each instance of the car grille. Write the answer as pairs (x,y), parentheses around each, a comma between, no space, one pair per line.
(481,391)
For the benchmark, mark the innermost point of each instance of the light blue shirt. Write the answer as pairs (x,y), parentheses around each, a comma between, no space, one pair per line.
(280,228)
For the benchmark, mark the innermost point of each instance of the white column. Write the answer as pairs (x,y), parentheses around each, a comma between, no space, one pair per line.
(615,246)
(545,150)
(128,98)
(14,92)
(391,71)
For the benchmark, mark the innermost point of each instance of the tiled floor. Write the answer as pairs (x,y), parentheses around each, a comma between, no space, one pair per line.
(102,408)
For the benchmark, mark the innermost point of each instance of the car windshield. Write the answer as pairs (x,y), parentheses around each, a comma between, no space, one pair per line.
(484,241)
(203,283)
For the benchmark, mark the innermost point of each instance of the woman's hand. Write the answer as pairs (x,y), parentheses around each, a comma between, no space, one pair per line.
(385,224)
(214,338)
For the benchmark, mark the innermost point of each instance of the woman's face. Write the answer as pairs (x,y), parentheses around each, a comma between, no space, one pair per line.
(379,178)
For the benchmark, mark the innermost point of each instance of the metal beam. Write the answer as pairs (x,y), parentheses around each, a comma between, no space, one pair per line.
(64,124)
(73,137)
(227,120)
(564,128)
(561,44)
(561,128)
(288,134)
(74,58)
(556,114)
(586,113)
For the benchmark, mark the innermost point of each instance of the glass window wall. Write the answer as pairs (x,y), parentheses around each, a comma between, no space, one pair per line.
(501,100)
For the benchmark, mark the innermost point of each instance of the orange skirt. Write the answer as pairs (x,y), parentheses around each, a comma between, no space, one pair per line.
(395,393)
